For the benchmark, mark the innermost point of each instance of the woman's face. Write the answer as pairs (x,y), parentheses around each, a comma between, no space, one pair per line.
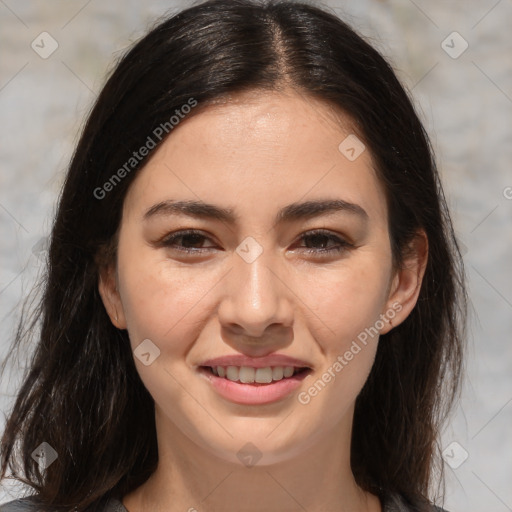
(256,280)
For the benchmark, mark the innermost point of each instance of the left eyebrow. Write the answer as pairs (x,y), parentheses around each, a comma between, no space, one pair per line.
(310,209)
(291,212)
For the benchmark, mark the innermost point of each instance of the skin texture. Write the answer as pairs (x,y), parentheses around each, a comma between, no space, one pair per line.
(256,154)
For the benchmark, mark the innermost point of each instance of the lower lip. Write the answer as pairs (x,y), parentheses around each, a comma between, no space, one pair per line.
(254,394)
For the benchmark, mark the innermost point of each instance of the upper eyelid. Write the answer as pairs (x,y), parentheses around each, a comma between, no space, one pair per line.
(314,231)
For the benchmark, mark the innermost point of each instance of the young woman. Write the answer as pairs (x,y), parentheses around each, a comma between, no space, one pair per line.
(255,300)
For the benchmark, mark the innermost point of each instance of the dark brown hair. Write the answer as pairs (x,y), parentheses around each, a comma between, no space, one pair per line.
(81,392)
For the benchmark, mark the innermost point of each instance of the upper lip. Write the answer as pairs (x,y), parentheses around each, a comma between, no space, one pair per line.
(256,362)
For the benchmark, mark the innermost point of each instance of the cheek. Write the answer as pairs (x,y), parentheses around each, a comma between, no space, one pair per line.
(161,302)
(346,301)
(347,305)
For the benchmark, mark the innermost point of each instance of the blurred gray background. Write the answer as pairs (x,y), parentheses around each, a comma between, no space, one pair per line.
(456,59)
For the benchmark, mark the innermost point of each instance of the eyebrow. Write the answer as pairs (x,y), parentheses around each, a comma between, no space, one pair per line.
(291,212)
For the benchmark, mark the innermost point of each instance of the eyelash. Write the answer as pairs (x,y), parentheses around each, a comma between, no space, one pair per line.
(342,244)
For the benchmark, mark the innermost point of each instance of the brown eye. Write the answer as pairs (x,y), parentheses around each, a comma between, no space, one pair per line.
(189,241)
(321,238)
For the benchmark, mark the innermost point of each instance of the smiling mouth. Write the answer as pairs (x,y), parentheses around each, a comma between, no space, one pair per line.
(256,376)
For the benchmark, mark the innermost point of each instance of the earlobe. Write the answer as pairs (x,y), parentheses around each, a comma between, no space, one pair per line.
(109,293)
(406,284)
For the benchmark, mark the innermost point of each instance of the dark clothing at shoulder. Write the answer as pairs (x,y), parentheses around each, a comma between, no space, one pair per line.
(27,504)
(397,503)
(391,503)
(31,504)
(20,505)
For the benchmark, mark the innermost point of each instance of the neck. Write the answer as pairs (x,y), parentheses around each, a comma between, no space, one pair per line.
(192,478)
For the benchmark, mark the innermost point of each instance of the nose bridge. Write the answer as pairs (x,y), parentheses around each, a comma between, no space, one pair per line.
(256,296)
(258,285)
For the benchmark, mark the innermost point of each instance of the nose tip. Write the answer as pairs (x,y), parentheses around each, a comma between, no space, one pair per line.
(257,344)
(252,336)
(255,299)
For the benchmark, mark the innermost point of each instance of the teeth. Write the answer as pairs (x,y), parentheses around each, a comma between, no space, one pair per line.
(232,373)
(262,375)
(245,374)
(277,373)
(248,375)
(288,371)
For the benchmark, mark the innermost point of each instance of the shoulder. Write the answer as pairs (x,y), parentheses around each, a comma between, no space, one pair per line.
(391,503)
(27,504)
(397,503)
(30,504)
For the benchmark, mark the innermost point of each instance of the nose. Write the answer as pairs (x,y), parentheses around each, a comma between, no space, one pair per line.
(257,302)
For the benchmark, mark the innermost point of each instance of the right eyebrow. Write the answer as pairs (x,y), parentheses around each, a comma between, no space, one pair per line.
(198,209)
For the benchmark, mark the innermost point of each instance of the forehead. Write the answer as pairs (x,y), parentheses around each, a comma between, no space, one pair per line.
(260,149)
(259,120)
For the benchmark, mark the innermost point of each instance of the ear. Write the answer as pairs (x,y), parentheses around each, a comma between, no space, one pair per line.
(406,283)
(107,286)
